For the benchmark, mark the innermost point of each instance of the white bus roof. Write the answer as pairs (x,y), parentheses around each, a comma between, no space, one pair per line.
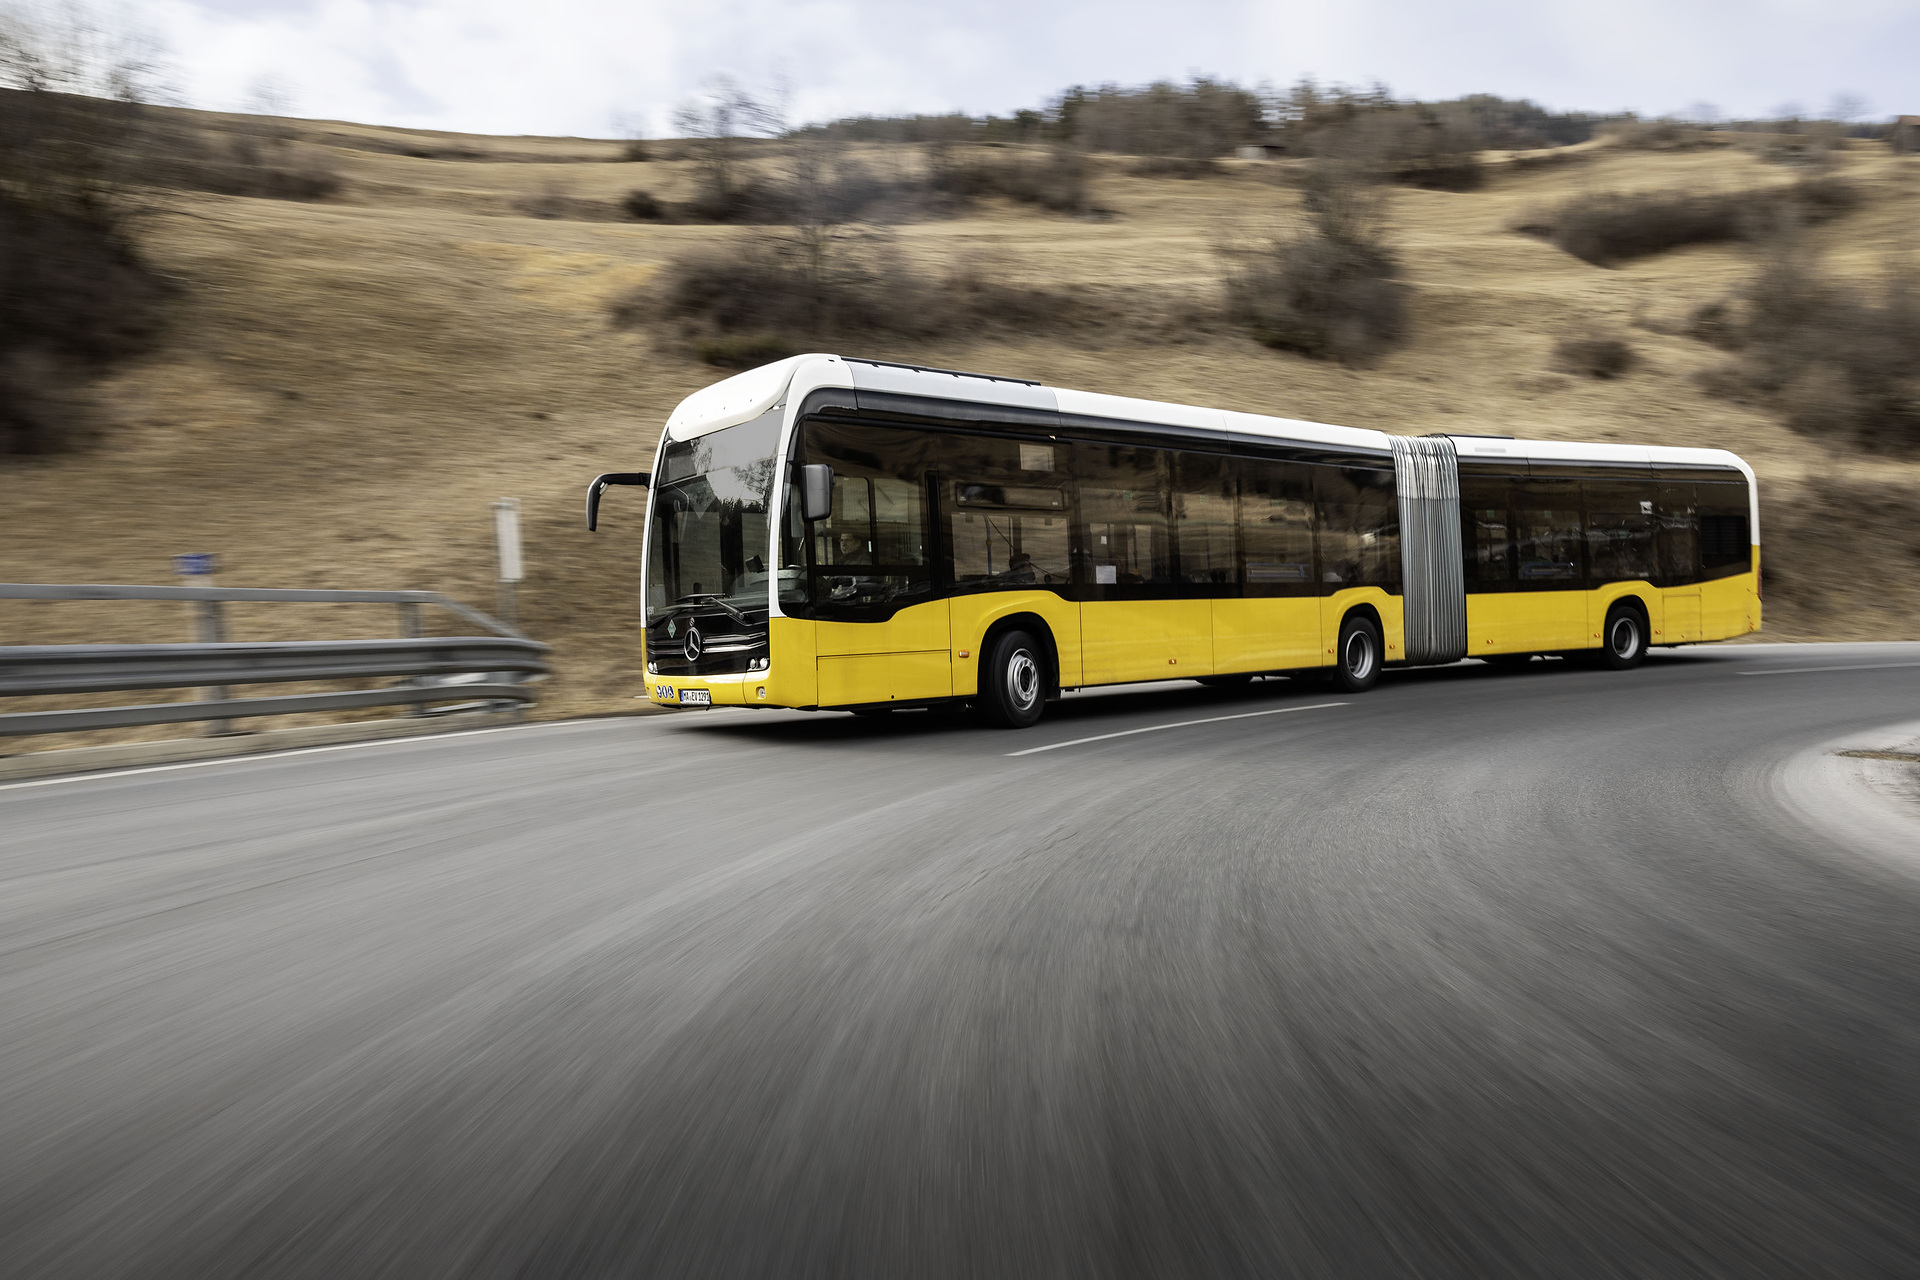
(750,394)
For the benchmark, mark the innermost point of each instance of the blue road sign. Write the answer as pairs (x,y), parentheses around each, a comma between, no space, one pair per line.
(195,566)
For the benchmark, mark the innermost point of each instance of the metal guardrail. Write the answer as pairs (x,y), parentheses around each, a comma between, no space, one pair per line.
(493,669)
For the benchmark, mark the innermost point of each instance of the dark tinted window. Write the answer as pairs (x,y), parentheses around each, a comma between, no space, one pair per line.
(1276,528)
(872,550)
(1123,508)
(1620,530)
(1726,546)
(1547,534)
(1486,531)
(1677,538)
(1359,528)
(1007,512)
(1203,522)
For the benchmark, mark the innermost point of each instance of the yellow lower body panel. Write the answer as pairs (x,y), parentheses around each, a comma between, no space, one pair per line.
(1124,640)
(1267,634)
(1551,621)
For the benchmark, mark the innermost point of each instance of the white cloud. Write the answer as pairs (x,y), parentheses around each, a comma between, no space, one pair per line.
(569,66)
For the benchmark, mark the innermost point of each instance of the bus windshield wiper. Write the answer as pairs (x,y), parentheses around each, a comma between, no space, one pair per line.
(729,610)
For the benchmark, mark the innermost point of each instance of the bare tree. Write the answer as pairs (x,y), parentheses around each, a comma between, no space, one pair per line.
(715,122)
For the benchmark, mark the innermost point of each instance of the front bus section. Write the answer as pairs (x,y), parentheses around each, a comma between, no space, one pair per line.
(829,533)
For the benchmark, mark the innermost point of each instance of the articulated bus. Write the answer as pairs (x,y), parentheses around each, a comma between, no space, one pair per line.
(833,533)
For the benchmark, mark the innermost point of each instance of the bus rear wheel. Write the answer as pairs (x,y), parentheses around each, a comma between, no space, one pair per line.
(1356,666)
(1013,681)
(1623,642)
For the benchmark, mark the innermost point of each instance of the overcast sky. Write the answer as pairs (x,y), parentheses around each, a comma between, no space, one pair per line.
(576,66)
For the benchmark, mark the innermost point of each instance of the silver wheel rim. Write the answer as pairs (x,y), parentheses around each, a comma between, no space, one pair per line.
(1023,679)
(1625,637)
(1359,655)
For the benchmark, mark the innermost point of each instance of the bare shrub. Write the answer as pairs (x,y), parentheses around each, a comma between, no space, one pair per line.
(636,152)
(1717,324)
(642,206)
(1606,229)
(259,159)
(43,403)
(553,202)
(1593,355)
(76,294)
(771,287)
(1053,178)
(1837,359)
(1331,290)
(774,294)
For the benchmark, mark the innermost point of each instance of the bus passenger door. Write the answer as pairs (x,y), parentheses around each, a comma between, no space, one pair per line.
(1677,560)
(1135,623)
(1551,609)
(880,636)
(1274,624)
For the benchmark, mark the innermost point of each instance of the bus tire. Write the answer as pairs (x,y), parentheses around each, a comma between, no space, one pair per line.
(1356,660)
(1623,641)
(1013,680)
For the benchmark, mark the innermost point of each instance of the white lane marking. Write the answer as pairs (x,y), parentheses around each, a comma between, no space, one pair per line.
(1180,724)
(277,755)
(1860,666)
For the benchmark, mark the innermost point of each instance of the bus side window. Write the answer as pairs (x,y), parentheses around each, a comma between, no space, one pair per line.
(1726,547)
(1546,526)
(1276,528)
(1004,503)
(1677,538)
(1620,537)
(1358,527)
(1123,508)
(1486,532)
(1203,520)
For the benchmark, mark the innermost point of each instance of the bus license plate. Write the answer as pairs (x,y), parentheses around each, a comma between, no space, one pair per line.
(695,698)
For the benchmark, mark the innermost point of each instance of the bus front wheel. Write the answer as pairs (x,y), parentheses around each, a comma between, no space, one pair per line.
(1013,681)
(1356,666)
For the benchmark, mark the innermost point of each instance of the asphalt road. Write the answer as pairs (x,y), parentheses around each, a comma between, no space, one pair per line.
(1477,974)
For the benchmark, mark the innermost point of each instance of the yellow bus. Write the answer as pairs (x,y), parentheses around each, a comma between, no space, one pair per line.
(829,533)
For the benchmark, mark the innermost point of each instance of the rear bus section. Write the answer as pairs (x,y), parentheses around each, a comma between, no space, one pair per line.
(831,533)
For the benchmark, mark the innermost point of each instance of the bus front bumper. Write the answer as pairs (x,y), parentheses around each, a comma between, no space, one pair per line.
(745,690)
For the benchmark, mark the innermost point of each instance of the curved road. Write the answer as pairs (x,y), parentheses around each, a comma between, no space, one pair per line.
(1477,974)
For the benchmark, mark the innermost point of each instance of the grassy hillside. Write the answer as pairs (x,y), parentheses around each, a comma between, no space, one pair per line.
(349,383)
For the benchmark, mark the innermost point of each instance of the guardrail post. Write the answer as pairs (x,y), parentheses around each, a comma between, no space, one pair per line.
(209,624)
(213,630)
(410,630)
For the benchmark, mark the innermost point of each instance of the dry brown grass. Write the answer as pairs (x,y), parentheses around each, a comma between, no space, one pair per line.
(350,383)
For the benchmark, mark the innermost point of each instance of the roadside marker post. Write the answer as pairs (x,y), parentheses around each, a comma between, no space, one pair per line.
(210,624)
(506,536)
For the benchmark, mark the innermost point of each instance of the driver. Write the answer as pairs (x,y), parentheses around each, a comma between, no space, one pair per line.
(853,550)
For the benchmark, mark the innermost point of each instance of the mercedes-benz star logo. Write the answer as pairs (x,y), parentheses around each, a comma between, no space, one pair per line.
(693,644)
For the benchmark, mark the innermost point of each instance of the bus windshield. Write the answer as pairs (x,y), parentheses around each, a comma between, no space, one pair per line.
(707,542)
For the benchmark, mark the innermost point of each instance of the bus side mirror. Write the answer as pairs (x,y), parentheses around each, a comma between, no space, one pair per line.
(641,478)
(816,491)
